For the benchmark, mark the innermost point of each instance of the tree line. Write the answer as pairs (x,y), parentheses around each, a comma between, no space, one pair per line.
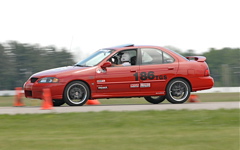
(224,65)
(18,61)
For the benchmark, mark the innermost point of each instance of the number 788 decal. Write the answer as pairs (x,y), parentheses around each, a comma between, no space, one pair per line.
(148,75)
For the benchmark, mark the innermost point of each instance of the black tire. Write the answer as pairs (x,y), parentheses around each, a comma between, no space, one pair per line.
(58,102)
(155,99)
(76,93)
(178,91)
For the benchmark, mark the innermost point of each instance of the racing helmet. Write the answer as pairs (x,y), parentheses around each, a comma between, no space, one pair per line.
(125,57)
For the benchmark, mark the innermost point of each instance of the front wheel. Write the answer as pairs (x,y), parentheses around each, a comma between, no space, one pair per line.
(76,93)
(155,99)
(178,91)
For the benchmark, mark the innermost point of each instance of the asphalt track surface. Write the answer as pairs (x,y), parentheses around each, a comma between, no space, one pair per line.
(135,107)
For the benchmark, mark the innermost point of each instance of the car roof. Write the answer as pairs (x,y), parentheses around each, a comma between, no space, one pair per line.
(128,46)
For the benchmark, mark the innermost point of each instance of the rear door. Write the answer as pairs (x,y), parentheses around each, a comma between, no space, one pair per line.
(156,68)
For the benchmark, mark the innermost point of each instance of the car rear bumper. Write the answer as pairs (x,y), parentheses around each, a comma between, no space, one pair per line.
(202,83)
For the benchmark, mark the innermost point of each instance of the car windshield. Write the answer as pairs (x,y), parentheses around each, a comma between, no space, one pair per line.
(95,58)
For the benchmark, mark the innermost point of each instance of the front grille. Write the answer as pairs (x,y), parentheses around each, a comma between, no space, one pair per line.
(33,80)
(28,93)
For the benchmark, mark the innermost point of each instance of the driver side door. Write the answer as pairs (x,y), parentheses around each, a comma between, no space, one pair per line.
(118,81)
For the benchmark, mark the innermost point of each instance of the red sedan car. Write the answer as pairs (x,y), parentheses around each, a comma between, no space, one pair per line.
(152,72)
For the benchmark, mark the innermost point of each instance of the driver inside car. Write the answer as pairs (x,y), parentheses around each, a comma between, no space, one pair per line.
(125,59)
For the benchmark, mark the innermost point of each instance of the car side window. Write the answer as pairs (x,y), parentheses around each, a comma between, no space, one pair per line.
(167,58)
(124,58)
(151,56)
(155,56)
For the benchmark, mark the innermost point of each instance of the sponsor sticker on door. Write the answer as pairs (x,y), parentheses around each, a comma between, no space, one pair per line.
(143,85)
(134,85)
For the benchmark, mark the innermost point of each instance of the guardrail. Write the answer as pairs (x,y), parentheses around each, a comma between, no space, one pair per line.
(221,90)
(7,92)
(212,90)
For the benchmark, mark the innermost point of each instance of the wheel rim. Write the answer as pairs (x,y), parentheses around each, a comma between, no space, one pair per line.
(178,90)
(77,93)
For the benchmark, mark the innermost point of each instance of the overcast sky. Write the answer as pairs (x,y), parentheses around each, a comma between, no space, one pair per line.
(88,25)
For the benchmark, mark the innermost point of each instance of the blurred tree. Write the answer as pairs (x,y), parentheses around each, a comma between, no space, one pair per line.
(18,61)
(174,49)
(189,52)
(4,64)
(218,60)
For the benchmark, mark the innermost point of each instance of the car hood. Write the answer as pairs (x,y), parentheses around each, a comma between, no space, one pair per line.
(57,71)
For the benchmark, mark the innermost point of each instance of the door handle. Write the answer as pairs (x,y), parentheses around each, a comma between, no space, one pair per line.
(133,70)
(170,68)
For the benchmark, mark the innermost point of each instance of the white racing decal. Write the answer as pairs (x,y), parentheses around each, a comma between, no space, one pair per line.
(134,85)
(100,80)
(102,87)
(143,85)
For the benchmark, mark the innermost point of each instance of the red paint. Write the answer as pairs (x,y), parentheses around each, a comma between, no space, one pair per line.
(119,81)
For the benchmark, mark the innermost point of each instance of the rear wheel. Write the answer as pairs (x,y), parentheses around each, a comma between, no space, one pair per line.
(178,91)
(76,93)
(155,99)
(58,102)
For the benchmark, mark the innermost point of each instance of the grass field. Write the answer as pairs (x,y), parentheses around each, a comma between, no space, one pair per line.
(203,97)
(142,130)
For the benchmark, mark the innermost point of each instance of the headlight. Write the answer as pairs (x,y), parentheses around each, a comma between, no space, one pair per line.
(48,80)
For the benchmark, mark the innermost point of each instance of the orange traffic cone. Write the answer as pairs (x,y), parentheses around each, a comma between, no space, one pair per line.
(18,97)
(193,99)
(93,102)
(47,99)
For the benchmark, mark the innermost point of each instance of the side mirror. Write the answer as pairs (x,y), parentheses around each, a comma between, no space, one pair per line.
(106,64)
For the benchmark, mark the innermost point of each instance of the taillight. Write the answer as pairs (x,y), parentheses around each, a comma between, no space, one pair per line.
(207,72)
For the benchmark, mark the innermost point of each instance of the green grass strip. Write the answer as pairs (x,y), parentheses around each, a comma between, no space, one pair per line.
(141,130)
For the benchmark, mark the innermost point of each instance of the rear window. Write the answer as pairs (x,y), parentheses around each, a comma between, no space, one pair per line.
(177,54)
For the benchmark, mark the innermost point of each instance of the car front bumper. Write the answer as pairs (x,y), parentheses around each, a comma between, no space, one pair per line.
(35,90)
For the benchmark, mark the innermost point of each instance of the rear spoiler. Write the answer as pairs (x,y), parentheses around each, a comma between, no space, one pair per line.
(197,58)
